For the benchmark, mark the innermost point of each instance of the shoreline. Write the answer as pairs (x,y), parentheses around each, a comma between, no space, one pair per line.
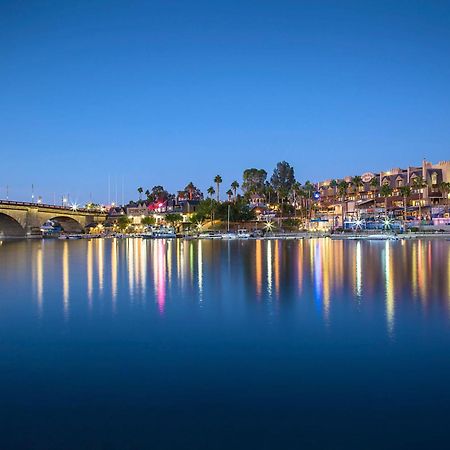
(272,236)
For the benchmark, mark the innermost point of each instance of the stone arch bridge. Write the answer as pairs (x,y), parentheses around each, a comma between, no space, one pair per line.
(21,219)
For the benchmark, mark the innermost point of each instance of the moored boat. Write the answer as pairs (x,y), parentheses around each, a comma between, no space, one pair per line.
(159,233)
(243,233)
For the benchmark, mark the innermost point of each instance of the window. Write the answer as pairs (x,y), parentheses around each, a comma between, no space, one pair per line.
(434,178)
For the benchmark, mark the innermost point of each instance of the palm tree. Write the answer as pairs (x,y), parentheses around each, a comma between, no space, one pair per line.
(374,184)
(234,186)
(333,184)
(418,183)
(218,180)
(357,182)
(385,191)
(296,192)
(230,194)
(211,193)
(147,194)
(308,187)
(445,189)
(342,190)
(140,190)
(405,192)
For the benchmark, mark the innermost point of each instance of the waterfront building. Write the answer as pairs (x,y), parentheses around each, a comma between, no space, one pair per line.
(363,196)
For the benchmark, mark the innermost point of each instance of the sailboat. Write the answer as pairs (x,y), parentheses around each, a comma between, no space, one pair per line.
(229,234)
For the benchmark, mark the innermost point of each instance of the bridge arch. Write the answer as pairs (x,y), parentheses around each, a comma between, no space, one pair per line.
(68,224)
(10,227)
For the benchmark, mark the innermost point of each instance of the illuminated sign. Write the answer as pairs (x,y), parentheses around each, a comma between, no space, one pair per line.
(366,177)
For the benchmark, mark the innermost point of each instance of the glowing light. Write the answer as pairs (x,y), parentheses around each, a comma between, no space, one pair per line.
(269,225)
(74,206)
(199,226)
(387,223)
(358,224)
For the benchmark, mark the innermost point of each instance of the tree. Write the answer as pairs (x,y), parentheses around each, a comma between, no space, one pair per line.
(234,186)
(123,223)
(342,191)
(173,218)
(385,191)
(333,185)
(282,179)
(148,220)
(269,192)
(357,182)
(147,193)
(374,184)
(418,184)
(230,194)
(218,180)
(445,189)
(296,194)
(211,191)
(308,189)
(253,181)
(140,190)
(239,211)
(405,192)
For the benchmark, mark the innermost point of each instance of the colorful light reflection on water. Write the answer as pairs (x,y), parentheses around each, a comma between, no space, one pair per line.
(209,344)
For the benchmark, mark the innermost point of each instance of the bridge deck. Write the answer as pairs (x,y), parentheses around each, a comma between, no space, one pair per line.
(45,206)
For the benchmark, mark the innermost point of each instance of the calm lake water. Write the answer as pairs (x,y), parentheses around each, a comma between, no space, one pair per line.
(117,344)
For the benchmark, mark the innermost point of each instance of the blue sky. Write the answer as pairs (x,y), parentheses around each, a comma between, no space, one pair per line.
(165,92)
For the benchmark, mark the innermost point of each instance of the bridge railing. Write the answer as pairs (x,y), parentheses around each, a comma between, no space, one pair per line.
(45,205)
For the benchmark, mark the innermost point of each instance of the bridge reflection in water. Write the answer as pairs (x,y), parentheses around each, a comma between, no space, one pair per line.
(271,276)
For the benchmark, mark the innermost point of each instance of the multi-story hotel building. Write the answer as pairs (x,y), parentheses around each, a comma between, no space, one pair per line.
(364,197)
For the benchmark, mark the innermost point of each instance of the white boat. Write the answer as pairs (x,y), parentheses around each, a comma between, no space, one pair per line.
(229,235)
(51,228)
(210,235)
(159,233)
(243,233)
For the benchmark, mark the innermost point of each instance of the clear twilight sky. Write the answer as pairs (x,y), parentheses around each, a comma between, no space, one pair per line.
(165,92)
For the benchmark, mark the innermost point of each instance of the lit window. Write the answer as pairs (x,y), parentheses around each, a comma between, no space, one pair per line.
(434,178)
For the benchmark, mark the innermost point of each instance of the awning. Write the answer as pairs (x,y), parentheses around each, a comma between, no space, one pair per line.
(365,202)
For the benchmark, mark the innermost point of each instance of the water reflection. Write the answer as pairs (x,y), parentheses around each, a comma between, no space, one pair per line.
(389,286)
(326,275)
(66,278)
(114,270)
(38,276)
